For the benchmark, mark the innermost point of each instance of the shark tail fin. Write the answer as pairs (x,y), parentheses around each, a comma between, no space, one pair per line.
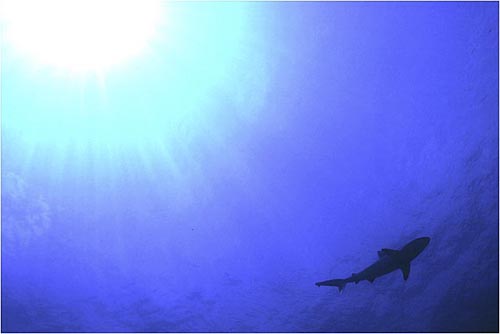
(339,283)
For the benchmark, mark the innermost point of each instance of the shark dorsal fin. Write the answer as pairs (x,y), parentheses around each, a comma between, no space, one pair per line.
(387,252)
(405,268)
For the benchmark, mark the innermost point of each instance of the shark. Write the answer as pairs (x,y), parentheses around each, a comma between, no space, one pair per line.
(389,260)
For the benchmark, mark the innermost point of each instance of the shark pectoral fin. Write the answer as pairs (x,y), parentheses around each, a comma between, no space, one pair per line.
(405,268)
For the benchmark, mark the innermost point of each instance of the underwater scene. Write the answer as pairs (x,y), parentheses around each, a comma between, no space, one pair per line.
(249,166)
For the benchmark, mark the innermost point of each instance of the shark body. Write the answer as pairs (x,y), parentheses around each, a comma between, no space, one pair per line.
(388,261)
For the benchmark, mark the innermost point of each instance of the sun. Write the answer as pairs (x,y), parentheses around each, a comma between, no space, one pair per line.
(80,35)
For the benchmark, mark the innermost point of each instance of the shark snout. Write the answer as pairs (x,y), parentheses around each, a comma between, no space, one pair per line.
(420,244)
(412,249)
(424,241)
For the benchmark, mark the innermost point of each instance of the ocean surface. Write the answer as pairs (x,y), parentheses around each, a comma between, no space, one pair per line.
(253,150)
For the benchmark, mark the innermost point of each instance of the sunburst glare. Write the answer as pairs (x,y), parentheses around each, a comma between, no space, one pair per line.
(115,78)
(81,35)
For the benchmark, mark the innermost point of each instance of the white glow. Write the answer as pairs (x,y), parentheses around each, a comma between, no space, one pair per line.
(80,35)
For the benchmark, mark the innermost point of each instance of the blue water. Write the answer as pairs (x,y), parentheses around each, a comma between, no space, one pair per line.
(212,182)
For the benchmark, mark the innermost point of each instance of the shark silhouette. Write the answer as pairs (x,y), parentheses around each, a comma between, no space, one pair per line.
(389,260)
